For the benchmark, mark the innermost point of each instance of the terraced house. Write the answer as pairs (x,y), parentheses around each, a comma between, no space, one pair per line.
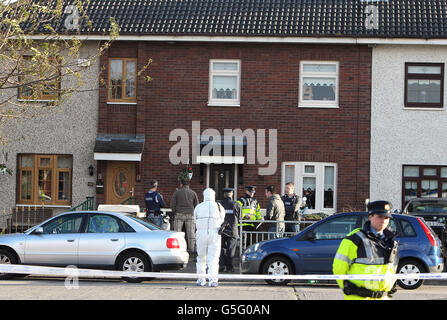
(320,76)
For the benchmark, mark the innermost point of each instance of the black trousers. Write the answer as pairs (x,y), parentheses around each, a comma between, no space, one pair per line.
(227,252)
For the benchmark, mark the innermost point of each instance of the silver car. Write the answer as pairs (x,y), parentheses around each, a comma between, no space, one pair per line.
(94,239)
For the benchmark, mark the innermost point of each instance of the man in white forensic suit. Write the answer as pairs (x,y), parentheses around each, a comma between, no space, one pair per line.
(208,217)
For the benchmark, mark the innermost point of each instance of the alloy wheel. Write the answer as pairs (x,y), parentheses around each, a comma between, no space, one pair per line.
(4,260)
(410,269)
(278,268)
(133,264)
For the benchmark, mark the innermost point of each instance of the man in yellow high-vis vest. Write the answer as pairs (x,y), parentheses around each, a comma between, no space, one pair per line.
(249,209)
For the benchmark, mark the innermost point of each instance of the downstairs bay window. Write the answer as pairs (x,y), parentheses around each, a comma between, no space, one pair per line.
(44,179)
(319,178)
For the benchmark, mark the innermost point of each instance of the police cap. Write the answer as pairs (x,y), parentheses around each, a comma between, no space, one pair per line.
(380,207)
(251,188)
(228,190)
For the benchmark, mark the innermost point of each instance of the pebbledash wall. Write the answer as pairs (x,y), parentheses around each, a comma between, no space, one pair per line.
(402,136)
(178,95)
(69,130)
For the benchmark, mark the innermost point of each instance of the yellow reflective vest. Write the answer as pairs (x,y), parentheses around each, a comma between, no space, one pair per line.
(250,209)
(360,252)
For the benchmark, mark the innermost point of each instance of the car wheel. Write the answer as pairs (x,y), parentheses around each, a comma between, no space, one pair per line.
(277,266)
(135,262)
(410,267)
(7,257)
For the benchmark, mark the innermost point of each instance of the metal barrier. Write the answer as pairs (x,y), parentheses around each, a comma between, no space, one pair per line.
(250,237)
(19,219)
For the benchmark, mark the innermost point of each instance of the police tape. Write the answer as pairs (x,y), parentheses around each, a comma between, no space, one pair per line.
(73,271)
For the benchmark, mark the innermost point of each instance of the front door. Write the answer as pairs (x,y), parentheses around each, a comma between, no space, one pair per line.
(120,181)
(221,176)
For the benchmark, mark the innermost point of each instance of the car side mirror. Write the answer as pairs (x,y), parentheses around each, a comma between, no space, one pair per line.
(38,231)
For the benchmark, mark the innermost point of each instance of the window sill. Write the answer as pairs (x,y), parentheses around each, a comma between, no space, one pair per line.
(45,206)
(32,100)
(121,102)
(318,106)
(423,109)
(215,104)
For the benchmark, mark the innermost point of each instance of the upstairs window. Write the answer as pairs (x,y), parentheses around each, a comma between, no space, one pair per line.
(318,84)
(39,82)
(224,89)
(424,85)
(122,80)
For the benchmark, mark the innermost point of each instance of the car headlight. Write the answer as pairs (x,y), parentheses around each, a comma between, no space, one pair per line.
(252,248)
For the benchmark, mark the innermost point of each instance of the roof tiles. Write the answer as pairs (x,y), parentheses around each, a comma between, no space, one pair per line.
(284,18)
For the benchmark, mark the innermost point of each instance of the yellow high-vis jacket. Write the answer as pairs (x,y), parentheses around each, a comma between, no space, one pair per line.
(249,208)
(361,252)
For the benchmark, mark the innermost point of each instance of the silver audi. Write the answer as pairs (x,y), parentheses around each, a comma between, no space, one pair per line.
(96,239)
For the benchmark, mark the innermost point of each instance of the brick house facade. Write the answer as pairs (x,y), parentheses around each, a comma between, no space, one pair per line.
(269,93)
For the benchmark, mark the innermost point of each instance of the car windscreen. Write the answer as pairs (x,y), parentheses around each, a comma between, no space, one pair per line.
(428,207)
(148,225)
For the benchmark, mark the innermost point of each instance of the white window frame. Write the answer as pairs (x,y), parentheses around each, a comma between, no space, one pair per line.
(318,103)
(212,73)
(299,174)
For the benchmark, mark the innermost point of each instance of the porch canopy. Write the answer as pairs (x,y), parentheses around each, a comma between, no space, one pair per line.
(217,150)
(119,147)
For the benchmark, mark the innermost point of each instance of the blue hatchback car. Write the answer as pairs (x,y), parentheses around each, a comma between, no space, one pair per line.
(312,250)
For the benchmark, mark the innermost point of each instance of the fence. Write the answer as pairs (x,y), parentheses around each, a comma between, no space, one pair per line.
(262,231)
(19,219)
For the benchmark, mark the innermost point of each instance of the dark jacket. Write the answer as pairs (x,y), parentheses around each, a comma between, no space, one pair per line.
(154,202)
(275,210)
(292,205)
(184,201)
(231,218)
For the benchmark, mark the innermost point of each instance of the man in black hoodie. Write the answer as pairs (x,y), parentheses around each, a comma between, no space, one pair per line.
(229,232)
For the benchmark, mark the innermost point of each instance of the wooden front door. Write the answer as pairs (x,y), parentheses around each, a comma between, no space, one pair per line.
(120,181)
(221,176)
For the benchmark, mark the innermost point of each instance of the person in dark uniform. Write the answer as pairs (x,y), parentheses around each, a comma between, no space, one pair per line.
(306,201)
(229,232)
(292,203)
(154,202)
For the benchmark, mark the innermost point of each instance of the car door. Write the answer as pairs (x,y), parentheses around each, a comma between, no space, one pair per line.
(102,240)
(318,246)
(58,244)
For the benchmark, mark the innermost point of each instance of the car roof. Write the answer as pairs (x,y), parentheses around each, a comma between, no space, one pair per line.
(96,212)
(365,213)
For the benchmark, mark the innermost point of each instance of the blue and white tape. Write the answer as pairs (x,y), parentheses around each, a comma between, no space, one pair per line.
(92,273)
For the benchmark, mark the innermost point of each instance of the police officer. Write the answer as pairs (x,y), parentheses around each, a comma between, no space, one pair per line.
(369,250)
(154,202)
(229,232)
(248,208)
(292,203)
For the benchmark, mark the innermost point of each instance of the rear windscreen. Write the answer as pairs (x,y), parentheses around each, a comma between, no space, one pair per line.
(428,207)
